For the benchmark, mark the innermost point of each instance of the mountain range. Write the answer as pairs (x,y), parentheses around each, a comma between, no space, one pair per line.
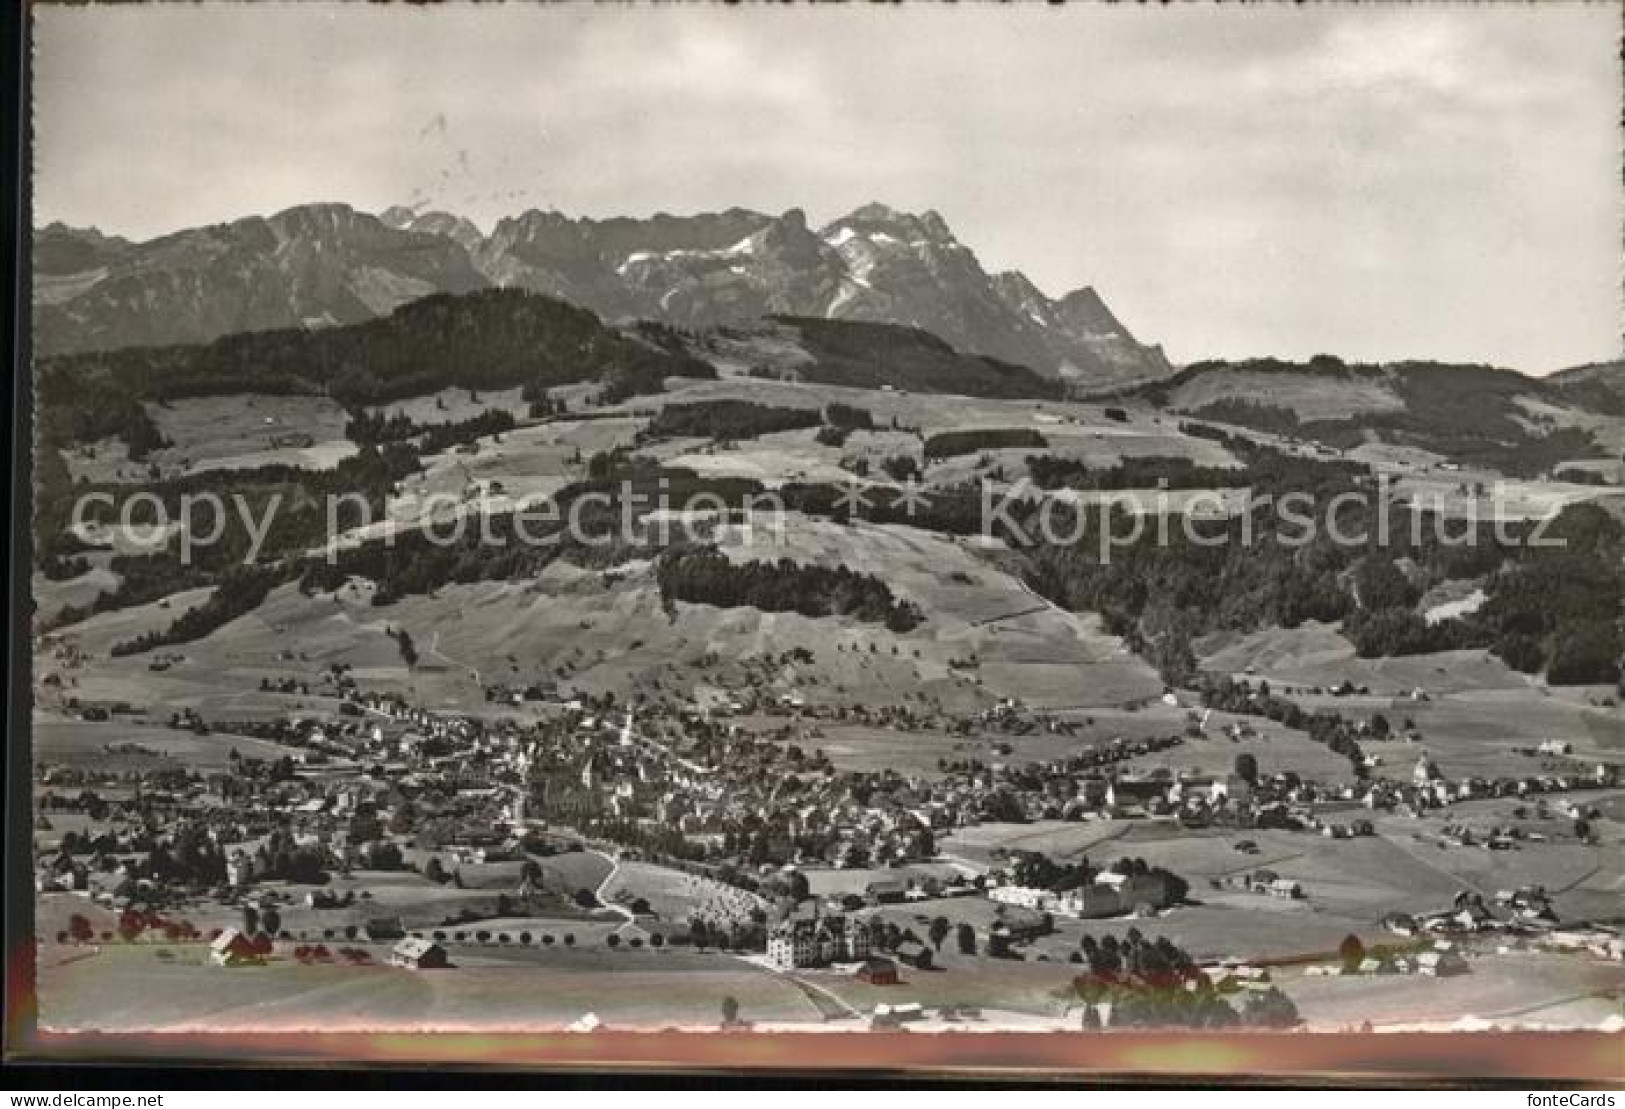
(322,265)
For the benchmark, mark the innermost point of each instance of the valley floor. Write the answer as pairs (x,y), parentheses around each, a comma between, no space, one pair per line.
(129,988)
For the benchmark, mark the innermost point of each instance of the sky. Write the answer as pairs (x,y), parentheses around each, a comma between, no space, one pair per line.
(1409,181)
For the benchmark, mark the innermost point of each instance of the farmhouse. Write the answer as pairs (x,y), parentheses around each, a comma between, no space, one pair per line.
(1097,900)
(417,953)
(232,949)
(1440,964)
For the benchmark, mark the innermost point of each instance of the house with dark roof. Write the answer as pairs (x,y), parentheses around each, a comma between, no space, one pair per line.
(417,953)
(877,970)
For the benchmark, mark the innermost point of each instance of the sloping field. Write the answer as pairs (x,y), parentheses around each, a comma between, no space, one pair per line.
(1608,431)
(796,456)
(290,636)
(736,352)
(825,882)
(1026,647)
(984,844)
(59,739)
(1393,458)
(1367,876)
(1474,732)
(1311,396)
(571,871)
(104,462)
(1503,499)
(1275,650)
(771,459)
(240,431)
(1279,750)
(1025,988)
(1315,654)
(97,634)
(1354,880)
(51,597)
(1609,469)
(247,430)
(674,896)
(529,462)
(1585,880)
(1349,884)
(871,749)
(454,405)
(1072,428)
(608,631)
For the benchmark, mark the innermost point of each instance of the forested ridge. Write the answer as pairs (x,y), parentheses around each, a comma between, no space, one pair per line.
(492,339)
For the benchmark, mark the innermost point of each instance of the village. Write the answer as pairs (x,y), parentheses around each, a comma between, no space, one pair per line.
(548,825)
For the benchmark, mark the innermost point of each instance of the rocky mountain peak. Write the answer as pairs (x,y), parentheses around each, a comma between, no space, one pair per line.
(935,226)
(457,228)
(1083,309)
(878,219)
(397,216)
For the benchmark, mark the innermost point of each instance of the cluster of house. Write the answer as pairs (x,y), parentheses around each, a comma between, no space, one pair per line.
(1267,883)
(1286,802)
(354,786)
(1443,961)
(232,948)
(1109,894)
(1596,940)
(1527,909)
(1429,788)
(386,773)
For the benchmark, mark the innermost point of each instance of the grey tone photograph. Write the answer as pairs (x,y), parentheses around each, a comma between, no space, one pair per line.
(706,518)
